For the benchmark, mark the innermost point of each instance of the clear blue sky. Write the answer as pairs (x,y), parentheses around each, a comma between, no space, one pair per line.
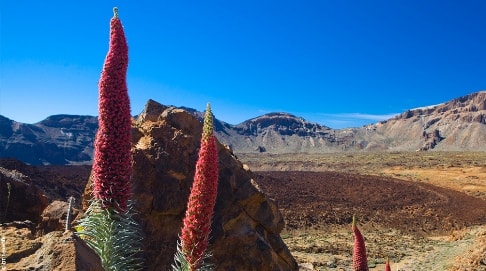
(338,63)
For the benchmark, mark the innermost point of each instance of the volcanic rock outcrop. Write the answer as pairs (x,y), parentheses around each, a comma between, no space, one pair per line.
(246,224)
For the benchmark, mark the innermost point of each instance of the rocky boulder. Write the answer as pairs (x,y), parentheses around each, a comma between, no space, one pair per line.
(55,251)
(246,223)
(54,216)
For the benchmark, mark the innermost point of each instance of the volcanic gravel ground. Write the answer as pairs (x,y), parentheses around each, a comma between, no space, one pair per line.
(313,199)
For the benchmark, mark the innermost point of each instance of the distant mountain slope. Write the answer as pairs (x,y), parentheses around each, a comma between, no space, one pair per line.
(59,139)
(279,133)
(459,124)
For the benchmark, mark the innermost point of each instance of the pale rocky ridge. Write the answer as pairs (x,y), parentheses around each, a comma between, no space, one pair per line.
(456,125)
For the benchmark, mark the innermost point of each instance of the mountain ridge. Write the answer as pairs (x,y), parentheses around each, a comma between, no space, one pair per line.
(459,124)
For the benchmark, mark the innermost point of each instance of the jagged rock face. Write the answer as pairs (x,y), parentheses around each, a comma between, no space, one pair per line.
(459,124)
(431,140)
(459,108)
(59,139)
(246,224)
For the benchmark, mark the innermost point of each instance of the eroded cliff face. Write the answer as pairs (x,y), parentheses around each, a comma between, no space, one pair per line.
(245,233)
(457,125)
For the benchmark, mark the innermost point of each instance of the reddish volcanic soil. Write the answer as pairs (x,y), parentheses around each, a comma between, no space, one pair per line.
(421,223)
(418,225)
(312,199)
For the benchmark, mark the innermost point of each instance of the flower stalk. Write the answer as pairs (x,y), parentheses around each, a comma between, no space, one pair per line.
(112,165)
(109,227)
(202,199)
(360,262)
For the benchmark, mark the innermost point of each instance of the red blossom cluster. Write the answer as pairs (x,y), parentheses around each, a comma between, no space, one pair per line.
(112,166)
(200,207)
(360,262)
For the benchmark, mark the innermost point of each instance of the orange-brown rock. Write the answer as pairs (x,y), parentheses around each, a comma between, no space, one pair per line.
(53,218)
(55,251)
(246,224)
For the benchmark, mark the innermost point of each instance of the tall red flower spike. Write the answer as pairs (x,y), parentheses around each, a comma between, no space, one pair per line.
(112,166)
(200,207)
(360,262)
(387,265)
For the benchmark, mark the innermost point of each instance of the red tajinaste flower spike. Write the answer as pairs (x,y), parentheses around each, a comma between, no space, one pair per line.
(200,207)
(112,165)
(387,265)
(360,262)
